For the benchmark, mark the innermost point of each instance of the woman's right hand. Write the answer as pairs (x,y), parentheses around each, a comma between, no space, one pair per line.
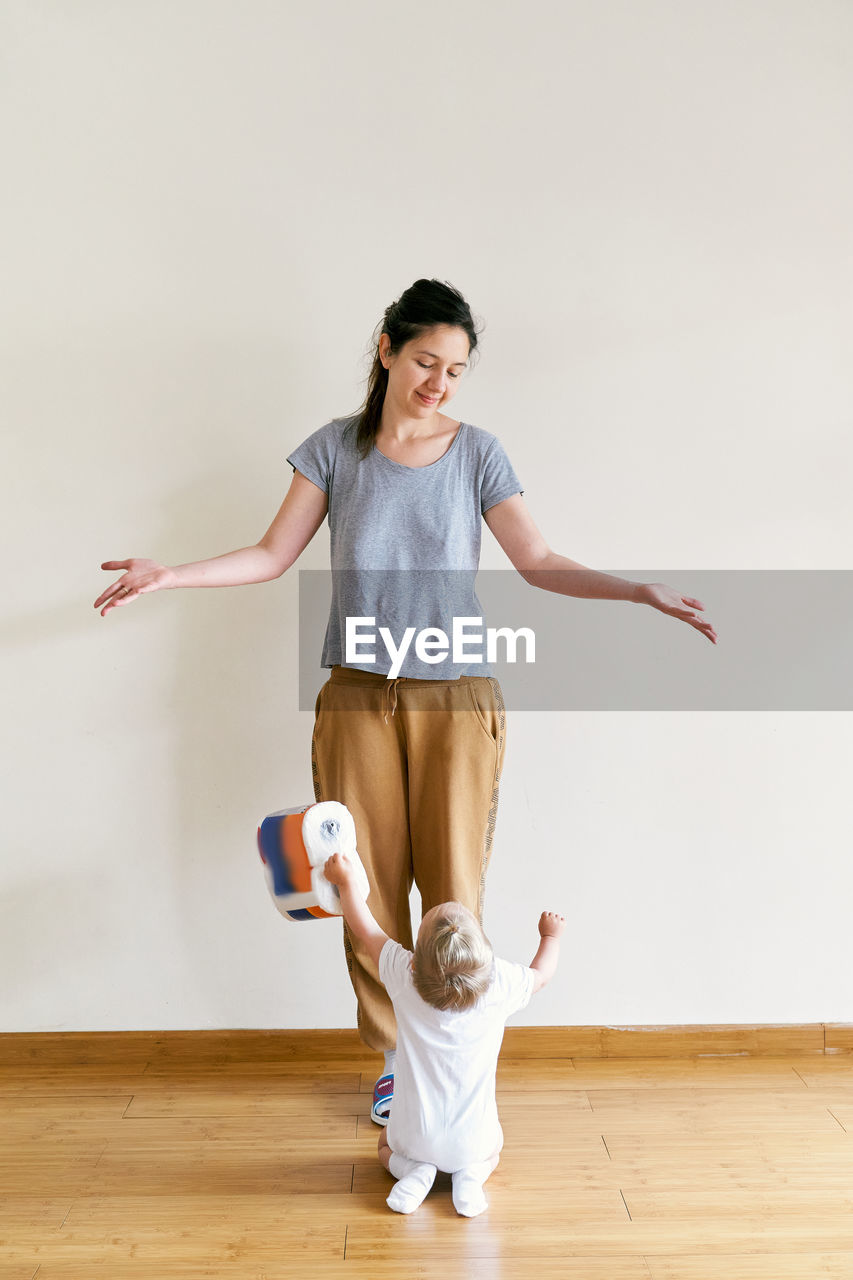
(139,577)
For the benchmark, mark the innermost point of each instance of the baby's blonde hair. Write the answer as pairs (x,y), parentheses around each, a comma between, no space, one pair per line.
(452,964)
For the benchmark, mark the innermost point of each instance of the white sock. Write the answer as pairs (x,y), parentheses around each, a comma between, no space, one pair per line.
(390,1060)
(468,1197)
(414,1181)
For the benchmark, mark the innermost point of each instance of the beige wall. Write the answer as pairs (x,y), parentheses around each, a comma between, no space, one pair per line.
(207,208)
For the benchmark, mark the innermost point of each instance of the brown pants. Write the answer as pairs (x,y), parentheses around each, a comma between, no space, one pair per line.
(417,763)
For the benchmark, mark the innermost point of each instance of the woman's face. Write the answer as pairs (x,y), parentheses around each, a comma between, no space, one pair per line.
(424,374)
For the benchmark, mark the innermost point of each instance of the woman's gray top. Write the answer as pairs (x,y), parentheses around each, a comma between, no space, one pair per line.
(405,546)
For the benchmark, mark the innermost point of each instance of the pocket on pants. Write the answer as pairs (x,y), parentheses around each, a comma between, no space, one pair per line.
(485,706)
(320,715)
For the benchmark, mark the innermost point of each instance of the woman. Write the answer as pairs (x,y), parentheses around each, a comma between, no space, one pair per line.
(416,758)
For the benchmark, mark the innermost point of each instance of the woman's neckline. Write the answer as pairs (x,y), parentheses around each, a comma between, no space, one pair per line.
(427,465)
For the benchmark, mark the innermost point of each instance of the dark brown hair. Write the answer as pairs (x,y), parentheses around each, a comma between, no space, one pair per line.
(424,305)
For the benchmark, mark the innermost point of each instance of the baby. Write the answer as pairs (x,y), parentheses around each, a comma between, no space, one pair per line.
(451,999)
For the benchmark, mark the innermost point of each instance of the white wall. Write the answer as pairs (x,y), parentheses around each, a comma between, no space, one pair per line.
(208,207)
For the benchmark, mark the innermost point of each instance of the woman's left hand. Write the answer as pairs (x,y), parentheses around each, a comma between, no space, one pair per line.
(670,601)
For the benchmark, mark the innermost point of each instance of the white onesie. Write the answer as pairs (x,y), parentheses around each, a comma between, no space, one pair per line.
(444,1111)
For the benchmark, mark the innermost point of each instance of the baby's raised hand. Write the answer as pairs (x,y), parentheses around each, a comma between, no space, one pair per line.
(338,869)
(551,925)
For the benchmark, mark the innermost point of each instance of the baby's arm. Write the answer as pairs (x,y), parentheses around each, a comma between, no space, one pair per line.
(544,963)
(339,871)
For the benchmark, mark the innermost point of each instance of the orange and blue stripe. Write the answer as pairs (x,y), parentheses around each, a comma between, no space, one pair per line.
(282,849)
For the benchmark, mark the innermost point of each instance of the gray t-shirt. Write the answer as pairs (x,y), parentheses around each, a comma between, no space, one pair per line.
(405,545)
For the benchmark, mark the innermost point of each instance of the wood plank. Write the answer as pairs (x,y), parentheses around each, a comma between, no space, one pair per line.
(218,1047)
(743,1103)
(208,1100)
(70,1109)
(664,1041)
(23,1271)
(541,1231)
(464,1268)
(229,1169)
(671,1110)
(775,1266)
(188,1228)
(47,1168)
(144,1048)
(32,1212)
(805,1204)
(106,1080)
(816,1072)
(668,1073)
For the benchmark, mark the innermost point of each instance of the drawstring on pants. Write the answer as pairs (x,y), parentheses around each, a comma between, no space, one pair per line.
(391,704)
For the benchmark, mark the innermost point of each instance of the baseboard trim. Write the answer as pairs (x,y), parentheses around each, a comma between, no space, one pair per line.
(66,1048)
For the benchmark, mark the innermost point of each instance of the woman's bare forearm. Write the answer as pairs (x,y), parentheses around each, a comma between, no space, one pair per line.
(568,578)
(234,569)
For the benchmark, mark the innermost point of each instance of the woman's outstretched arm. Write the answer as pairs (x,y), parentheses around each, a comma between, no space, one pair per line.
(514,527)
(298,519)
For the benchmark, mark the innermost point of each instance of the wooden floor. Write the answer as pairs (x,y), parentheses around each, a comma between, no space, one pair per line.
(729,1168)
